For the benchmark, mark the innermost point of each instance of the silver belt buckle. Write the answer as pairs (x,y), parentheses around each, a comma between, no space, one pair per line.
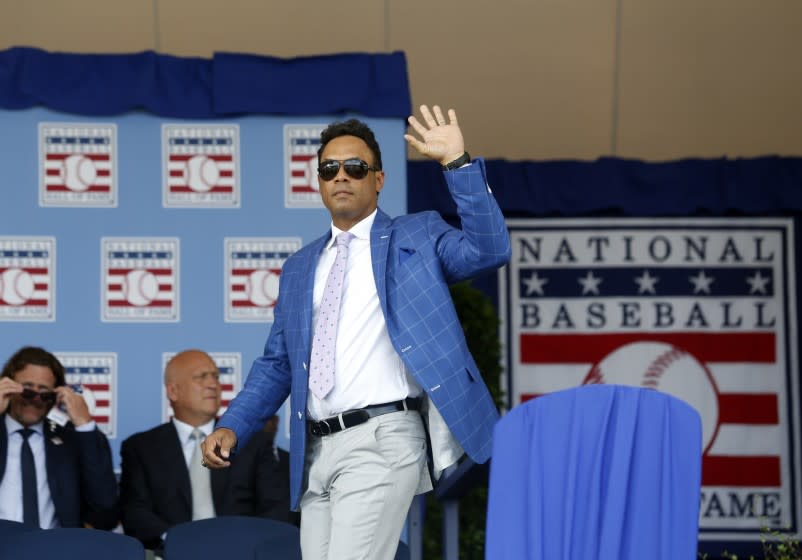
(327,431)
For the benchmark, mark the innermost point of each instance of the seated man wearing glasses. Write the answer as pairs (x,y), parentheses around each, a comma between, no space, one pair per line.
(51,475)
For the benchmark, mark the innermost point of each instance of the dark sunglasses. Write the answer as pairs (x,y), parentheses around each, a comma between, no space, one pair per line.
(47,397)
(354,167)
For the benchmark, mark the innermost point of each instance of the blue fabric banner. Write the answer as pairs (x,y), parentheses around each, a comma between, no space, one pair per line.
(374,85)
(625,187)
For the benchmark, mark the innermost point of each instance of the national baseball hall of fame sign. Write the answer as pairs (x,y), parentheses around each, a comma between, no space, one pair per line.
(702,309)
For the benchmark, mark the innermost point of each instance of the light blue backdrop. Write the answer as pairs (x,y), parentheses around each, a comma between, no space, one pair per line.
(139,213)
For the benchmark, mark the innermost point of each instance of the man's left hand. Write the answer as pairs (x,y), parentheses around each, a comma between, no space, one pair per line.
(75,405)
(440,140)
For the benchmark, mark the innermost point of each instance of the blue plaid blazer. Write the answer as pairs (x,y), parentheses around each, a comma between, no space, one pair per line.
(415,257)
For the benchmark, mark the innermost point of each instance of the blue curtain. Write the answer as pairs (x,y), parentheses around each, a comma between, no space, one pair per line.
(624,187)
(374,85)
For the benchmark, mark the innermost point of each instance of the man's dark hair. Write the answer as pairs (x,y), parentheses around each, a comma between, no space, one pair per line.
(33,355)
(351,127)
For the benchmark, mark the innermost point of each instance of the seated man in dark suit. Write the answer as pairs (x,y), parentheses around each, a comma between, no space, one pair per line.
(51,475)
(163,482)
(263,485)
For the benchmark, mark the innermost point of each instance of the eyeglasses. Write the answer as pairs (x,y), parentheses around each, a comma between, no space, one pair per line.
(47,397)
(354,167)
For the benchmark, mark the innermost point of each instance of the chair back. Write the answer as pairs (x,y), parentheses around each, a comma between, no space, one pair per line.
(14,527)
(71,544)
(600,471)
(231,537)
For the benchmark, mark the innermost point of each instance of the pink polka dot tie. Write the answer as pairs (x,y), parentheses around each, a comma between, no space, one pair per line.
(321,363)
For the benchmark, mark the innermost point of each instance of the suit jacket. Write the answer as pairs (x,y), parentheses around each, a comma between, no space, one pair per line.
(155,491)
(80,475)
(414,259)
(262,485)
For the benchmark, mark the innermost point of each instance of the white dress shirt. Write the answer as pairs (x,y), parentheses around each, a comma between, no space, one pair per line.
(184,436)
(11,485)
(367,369)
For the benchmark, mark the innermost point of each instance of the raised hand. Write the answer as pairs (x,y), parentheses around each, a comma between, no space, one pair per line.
(8,387)
(440,140)
(74,405)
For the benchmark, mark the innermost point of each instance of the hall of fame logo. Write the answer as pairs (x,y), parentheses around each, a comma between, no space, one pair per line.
(77,164)
(301,188)
(253,268)
(703,309)
(27,279)
(230,366)
(94,376)
(140,279)
(201,166)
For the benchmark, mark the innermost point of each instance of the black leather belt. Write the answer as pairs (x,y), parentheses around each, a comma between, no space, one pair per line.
(351,418)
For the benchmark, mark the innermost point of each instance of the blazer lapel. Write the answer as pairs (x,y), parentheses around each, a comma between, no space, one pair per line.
(380,235)
(55,459)
(3,445)
(219,478)
(219,481)
(174,456)
(306,304)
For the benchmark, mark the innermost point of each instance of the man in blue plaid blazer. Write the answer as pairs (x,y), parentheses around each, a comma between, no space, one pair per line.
(401,367)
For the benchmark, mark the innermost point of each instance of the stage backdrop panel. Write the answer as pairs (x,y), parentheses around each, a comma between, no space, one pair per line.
(679,276)
(703,309)
(126,238)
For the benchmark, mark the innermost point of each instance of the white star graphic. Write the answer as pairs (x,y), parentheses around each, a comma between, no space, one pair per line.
(590,284)
(646,283)
(701,282)
(534,284)
(757,283)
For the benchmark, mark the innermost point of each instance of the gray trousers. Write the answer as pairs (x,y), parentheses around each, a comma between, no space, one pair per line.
(359,485)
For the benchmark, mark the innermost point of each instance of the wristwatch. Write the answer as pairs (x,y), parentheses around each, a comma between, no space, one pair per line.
(457,163)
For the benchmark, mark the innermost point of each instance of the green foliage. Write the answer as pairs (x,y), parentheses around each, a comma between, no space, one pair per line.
(776,546)
(779,546)
(480,323)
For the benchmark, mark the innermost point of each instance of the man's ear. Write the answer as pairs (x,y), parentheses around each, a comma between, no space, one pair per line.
(172,391)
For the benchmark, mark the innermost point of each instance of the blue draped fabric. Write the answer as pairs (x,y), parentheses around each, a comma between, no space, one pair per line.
(374,85)
(621,187)
(600,471)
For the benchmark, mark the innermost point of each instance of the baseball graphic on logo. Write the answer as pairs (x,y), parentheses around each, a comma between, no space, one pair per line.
(202,173)
(16,286)
(262,287)
(140,287)
(79,172)
(666,368)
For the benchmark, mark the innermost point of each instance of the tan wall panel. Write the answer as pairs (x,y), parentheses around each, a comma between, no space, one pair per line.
(530,80)
(721,77)
(84,26)
(274,27)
